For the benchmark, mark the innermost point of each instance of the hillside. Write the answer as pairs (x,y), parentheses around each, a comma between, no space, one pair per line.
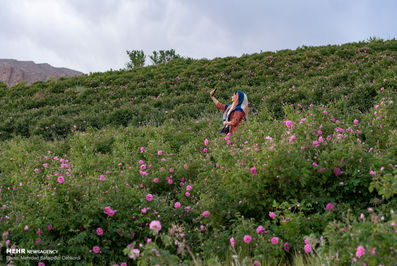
(12,72)
(178,90)
(129,166)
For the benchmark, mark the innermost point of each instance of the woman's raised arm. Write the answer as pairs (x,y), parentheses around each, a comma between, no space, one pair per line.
(213,98)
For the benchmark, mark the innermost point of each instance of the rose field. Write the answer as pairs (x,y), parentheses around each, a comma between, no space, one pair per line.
(128,167)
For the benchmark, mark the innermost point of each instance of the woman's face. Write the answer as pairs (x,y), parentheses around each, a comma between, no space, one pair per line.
(235,97)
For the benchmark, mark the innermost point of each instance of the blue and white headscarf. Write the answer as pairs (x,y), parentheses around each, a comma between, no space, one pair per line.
(242,105)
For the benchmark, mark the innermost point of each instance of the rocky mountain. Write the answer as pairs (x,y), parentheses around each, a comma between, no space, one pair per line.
(13,71)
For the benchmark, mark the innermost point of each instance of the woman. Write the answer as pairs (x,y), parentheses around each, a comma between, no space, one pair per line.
(234,113)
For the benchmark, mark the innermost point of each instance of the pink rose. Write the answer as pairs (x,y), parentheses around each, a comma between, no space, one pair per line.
(155,226)
(260,229)
(330,206)
(274,240)
(360,251)
(232,243)
(96,249)
(149,197)
(247,239)
(289,124)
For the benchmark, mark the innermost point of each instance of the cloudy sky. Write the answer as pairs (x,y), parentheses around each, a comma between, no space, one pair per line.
(93,35)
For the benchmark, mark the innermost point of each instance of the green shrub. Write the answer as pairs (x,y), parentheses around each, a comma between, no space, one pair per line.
(318,149)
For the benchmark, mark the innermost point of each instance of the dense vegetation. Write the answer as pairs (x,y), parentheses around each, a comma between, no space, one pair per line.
(92,165)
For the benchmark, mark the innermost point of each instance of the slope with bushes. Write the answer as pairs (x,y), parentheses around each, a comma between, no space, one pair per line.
(179,89)
(136,171)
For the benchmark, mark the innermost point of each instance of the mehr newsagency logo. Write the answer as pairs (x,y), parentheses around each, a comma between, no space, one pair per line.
(13,254)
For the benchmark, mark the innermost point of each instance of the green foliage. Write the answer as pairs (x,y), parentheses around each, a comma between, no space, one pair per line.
(137,59)
(349,76)
(385,184)
(317,151)
(163,56)
(371,232)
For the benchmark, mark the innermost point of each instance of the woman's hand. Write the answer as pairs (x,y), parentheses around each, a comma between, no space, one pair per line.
(212,92)
(227,123)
